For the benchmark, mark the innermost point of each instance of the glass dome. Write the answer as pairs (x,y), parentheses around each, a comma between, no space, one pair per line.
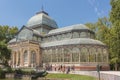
(41,18)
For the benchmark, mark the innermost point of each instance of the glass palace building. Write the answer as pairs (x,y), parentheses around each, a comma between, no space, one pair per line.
(40,42)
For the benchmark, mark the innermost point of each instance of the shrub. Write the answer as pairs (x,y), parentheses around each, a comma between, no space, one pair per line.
(9,70)
(2,74)
(39,74)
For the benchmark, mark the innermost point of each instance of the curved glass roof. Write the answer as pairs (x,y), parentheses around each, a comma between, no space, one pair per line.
(69,28)
(13,40)
(72,41)
(41,18)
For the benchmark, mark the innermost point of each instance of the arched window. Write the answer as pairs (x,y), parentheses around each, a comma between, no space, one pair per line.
(75,54)
(105,55)
(33,57)
(45,56)
(68,35)
(60,56)
(83,35)
(88,35)
(67,55)
(75,35)
(50,52)
(25,57)
(99,55)
(49,56)
(63,36)
(84,55)
(54,55)
(59,37)
(92,54)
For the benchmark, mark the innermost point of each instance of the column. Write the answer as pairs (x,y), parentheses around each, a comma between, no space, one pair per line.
(18,63)
(88,57)
(21,58)
(17,58)
(79,56)
(63,54)
(96,57)
(13,60)
(51,55)
(40,57)
(29,56)
(37,55)
(71,54)
(56,52)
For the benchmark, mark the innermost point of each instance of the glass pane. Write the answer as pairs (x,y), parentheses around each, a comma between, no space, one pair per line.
(83,35)
(75,35)
(75,55)
(84,55)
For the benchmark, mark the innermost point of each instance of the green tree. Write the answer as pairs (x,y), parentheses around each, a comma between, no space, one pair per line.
(101,28)
(6,34)
(4,53)
(108,31)
(115,20)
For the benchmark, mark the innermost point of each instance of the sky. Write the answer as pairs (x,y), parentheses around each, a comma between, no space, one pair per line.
(64,12)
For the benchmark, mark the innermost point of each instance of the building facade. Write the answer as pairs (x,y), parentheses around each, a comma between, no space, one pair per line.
(41,43)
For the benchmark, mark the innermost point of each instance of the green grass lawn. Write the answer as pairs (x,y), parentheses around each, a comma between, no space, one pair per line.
(70,77)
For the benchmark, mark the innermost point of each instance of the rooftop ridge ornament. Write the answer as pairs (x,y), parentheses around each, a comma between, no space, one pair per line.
(42,11)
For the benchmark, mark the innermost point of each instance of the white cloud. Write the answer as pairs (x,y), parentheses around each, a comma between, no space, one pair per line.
(97,11)
(92,2)
(95,5)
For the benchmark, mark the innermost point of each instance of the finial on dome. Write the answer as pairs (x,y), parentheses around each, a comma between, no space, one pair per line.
(42,11)
(42,8)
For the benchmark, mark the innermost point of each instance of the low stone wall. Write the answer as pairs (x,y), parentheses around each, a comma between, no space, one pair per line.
(109,77)
(26,77)
(103,75)
(12,75)
(9,75)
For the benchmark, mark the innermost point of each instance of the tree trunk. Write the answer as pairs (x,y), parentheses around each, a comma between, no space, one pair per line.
(116,66)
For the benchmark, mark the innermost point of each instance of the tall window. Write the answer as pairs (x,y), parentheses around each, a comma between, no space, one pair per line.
(75,54)
(99,54)
(75,35)
(49,56)
(83,35)
(60,57)
(33,57)
(54,55)
(105,55)
(92,54)
(25,57)
(84,55)
(67,55)
(45,56)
